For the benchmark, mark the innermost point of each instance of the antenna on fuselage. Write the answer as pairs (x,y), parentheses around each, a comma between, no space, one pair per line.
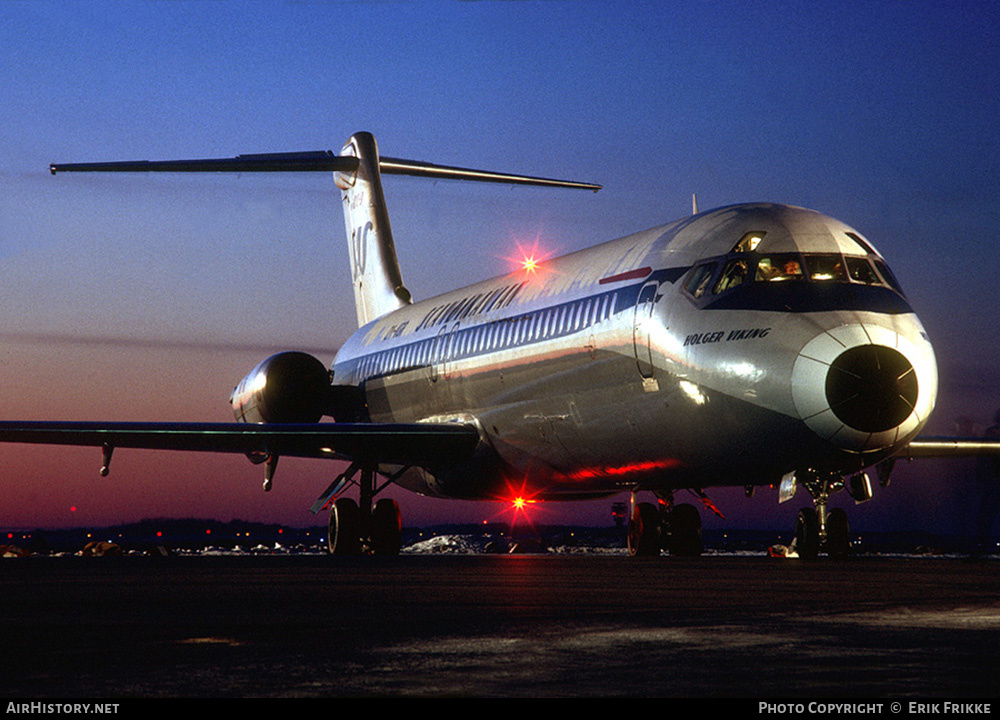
(694,203)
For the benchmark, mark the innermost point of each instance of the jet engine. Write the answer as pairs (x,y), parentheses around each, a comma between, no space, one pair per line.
(290,387)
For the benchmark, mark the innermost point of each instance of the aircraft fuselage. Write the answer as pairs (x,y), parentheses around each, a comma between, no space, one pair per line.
(728,348)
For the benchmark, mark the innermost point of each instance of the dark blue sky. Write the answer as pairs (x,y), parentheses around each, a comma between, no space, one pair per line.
(148,298)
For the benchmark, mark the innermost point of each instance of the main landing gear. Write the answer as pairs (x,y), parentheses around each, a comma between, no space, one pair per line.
(358,528)
(664,525)
(351,533)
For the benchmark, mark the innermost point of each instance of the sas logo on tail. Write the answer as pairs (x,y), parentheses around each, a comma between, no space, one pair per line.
(359,249)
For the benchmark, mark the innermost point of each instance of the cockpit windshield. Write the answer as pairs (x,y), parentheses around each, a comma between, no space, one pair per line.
(735,272)
(776,268)
(861,271)
(742,268)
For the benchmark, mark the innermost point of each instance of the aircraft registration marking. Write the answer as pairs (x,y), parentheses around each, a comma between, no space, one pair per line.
(725,336)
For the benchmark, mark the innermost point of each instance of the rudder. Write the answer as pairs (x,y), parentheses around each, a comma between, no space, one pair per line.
(375,274)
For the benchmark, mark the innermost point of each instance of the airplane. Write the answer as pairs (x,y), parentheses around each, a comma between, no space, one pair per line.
(752,345)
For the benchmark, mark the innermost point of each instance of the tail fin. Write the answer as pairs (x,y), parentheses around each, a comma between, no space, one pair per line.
(378,284)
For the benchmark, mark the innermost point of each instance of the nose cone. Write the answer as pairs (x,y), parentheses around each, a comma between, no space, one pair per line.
(865,387)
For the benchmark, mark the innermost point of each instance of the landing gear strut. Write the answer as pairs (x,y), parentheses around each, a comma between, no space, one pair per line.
(817,529)
(653,527)
(357,528)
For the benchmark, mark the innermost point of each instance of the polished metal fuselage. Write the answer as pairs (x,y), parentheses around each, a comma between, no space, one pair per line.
(598,371)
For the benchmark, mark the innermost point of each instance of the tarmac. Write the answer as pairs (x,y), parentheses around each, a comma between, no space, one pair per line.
(518,626)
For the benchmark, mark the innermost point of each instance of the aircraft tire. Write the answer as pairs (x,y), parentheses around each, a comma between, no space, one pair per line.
(344,536)
(644,531)
(685,531)
(838,534)
(387,527)
(807,533)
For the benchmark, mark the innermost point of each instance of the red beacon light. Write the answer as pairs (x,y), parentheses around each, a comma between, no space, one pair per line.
(529,260)
(519,503)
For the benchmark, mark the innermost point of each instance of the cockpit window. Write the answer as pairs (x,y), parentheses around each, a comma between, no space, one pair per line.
(824,268)
(720,276)
(784,266)
(889,278)
(735,272)
(861,271)
(859,241)
(700,278)
(749,242)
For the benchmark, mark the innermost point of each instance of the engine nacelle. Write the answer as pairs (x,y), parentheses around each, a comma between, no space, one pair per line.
(290,387)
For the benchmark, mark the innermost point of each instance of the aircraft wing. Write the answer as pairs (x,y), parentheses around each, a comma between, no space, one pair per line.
(928,447)
(421,444)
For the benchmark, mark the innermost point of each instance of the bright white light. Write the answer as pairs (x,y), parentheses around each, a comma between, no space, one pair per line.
(745,370)
(693,392)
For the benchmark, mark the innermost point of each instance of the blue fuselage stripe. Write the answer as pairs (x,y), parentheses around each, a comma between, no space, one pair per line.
(500,333)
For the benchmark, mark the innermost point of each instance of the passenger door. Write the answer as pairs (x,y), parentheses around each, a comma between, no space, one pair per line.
(641,328)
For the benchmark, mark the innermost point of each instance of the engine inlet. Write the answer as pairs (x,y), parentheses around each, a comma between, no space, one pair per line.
(872,388)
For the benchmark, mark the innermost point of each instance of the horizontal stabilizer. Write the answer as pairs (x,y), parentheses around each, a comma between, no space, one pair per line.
(315,161)
(319,161)
(420,444)
(397,166)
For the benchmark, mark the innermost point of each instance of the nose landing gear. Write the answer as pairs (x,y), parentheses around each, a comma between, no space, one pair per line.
(817,529)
